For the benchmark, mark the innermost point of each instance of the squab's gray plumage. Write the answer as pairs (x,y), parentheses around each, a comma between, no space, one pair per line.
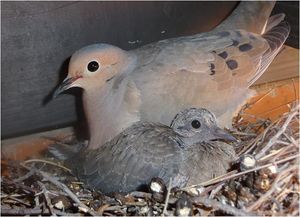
(145,150)
(154,82)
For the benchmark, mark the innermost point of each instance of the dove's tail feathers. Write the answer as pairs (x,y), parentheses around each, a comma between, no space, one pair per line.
(251,16)
(275,37)
(273,21)
(64,151)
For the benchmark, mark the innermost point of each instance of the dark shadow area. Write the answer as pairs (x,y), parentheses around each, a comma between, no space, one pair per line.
(291,10)
(63,72)
(80,126)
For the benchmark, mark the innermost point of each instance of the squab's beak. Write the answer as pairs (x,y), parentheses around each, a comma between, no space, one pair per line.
(66,84)
(222,134)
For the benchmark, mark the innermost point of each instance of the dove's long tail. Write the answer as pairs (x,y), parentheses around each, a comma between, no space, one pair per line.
(65,151)
(251,16)
(275,36)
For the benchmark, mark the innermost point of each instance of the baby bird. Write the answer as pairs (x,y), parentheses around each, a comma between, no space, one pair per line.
(184,152)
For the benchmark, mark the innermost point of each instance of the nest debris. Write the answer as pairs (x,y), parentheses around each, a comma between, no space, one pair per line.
(271,187)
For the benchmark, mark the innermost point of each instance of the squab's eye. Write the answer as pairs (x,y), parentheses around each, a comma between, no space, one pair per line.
(196,124)
(93,66)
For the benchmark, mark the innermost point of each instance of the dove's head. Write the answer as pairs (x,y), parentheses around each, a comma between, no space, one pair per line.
(95,65)
(198,125)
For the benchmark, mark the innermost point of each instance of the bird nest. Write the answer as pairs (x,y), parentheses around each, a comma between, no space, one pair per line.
(264,181)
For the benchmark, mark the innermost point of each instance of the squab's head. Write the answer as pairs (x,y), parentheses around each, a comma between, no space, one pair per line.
(198,125)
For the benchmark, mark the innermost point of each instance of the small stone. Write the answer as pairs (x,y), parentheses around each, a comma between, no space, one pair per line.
(157,185)
(61,202)
(82,209)
(59,205)
(247,162)
(273,169)
(184,206)
(196,191)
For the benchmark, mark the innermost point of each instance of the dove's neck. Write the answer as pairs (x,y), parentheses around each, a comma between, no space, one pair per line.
(189,142)
(110,109)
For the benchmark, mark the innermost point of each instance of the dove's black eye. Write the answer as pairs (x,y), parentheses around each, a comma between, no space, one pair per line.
(93,66)
(196,124)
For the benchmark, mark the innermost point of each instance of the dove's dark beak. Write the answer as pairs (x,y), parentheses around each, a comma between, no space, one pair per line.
(219,133)
(66,84)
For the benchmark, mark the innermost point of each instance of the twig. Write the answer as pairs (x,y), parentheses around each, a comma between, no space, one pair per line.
(64,188)
(237,133)
(68,191)
(25,188)
(102,209)
(47,162)
(59,141)
(219,206)
(224,177)
(17,200)
(114,209)
(277,135)
(19,211)
(212,181)
(248,147)
(3,195)
(291,139)
(277,107)
(48,201)
(215,190)
(270,191)
(167,198)
(26,176)
(141,194)
(272,154)
(259,99)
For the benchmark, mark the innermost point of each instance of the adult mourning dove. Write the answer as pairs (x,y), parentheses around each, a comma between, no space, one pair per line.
(154,82)
(145,150)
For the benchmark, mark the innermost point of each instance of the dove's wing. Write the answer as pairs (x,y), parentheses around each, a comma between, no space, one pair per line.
(130,160)
(249,55)
(210,70)
(249,15)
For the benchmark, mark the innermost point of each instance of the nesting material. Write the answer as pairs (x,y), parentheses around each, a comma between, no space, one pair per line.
(264,182)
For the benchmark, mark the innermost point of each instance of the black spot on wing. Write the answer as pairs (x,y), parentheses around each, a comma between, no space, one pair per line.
(235,43)
(212,69)
(232,64)
(252,37)
(238,33)
(223,34)
(224,54)
(245,47)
